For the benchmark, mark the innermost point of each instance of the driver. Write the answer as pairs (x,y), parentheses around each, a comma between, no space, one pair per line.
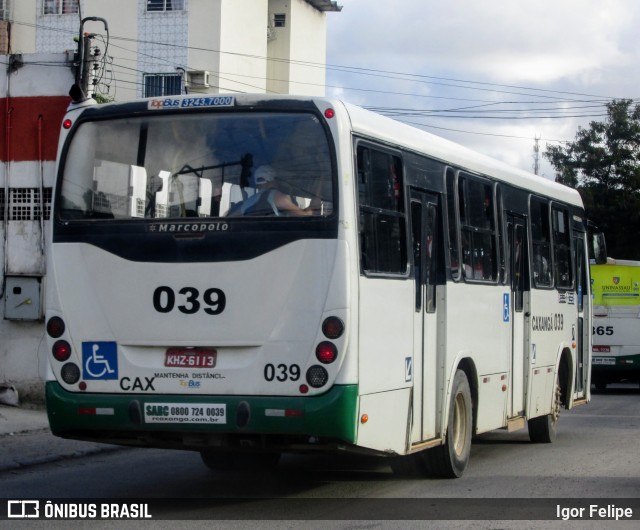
(269,200)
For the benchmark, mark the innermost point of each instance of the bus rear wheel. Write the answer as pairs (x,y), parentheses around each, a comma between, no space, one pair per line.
(451,459)
(242,462)
(600,384)
(544,429)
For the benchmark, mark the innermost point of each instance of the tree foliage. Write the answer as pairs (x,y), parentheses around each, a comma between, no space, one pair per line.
(603,164)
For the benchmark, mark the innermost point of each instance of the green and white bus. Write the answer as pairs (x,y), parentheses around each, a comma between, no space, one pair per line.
(247,275)
(616,322)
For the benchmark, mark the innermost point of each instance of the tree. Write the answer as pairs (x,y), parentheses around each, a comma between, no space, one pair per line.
(603,164)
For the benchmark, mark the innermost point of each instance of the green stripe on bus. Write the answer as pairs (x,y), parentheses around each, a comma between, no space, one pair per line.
(332,414)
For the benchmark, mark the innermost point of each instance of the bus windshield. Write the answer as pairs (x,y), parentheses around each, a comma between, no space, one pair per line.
(202,165)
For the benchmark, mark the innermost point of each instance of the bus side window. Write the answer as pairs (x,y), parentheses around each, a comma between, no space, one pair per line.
(465,234)
(477,229)
(541,242)
(382,223)
(503,270)
(581,271)
(562,247)
(454,257)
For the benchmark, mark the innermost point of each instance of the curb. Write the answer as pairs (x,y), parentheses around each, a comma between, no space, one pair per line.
(36,447)
(26,440)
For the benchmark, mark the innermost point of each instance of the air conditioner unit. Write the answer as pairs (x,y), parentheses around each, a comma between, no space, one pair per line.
(198,79)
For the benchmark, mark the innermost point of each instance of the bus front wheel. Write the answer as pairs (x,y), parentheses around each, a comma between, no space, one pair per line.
(450,459)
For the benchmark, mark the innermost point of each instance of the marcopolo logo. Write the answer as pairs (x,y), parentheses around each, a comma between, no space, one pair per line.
(188,228)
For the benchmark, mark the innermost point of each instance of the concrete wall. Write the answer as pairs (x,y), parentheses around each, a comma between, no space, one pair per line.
(33,101)
(308,45)
(297,54)
(244,45)
(23,32)
(55,33)
(122,17)
(204,37)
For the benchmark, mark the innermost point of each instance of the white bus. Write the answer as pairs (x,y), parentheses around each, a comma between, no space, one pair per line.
(616,322)
(250,275)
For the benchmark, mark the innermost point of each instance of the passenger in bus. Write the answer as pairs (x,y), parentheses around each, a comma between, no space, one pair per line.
(541,269)
(269,200)
(467,269)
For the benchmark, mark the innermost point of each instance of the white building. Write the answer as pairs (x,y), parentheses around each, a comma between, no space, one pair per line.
(155,47)
(159,46)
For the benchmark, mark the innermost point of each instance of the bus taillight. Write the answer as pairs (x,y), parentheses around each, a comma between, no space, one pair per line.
(332,327)
(61,350)
(326,352)
(55,327)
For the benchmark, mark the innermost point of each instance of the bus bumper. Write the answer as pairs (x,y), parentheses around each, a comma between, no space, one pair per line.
(270,422)
(610,369)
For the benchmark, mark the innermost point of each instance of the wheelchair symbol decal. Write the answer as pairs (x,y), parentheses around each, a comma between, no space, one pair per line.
(99,360)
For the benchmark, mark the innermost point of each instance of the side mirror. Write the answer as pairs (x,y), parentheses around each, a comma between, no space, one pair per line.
(597,245)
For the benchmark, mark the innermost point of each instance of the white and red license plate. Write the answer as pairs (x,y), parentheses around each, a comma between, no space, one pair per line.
(191,357)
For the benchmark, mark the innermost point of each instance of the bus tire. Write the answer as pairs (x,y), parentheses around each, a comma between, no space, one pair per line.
(600,385)
(239,462)
(450,459)
(544,429)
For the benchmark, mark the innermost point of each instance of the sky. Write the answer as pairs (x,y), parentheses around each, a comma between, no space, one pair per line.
(491,75)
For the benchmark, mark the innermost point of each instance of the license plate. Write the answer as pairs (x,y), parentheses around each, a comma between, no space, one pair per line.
(191,358)
(185,413)
(603,360)
(602,349)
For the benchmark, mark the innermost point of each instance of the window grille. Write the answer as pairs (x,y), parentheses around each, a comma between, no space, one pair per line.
(25,204)
(60,7)
(162,85)
(165,5)
(4,9)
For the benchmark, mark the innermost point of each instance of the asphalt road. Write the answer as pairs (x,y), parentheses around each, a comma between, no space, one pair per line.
(596,456)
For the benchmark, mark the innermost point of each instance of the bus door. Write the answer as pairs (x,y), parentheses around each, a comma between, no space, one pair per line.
(424,219)
(517,249)
(581,333)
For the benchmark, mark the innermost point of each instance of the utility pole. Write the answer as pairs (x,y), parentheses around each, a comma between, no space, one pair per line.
(81,90)
(536,156)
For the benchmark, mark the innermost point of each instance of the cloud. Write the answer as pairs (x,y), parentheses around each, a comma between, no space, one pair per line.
(556,49)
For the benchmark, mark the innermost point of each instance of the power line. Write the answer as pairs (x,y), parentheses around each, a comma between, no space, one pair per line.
(379,73)
(475,112)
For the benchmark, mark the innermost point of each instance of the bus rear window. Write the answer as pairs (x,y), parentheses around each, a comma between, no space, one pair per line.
(222,165)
